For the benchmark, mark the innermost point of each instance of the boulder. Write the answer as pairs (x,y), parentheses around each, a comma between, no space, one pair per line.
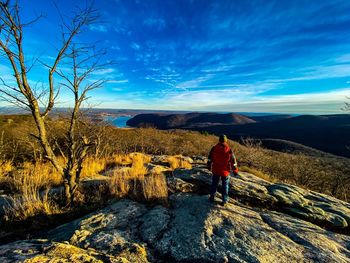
(263,222)
(190,230)
(311,206)
(34,251)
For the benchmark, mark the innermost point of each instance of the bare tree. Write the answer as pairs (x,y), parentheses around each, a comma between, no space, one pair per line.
(81,61)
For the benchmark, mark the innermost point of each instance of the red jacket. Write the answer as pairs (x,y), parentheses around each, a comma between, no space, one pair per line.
(222,160)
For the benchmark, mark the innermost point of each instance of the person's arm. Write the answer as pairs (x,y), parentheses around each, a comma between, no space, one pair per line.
(209,163)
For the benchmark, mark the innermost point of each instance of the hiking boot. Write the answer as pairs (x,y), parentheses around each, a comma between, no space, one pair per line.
(211,200)
(223,204)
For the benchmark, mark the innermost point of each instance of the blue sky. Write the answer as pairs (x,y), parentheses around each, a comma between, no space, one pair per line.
(227,55)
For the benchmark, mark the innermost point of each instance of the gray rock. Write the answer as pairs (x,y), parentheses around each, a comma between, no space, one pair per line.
(154,223)
(190,230)
(287,195)
(320,245)
(33,251)
(178,185)
(263,223)
(113,231)
(201,232)
(157,169)
(311,206)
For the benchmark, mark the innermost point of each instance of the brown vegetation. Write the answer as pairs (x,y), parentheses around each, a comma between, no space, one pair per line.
(82,60)
(257,173)
(136,182)
(114,157)
(29,183)
(178,161)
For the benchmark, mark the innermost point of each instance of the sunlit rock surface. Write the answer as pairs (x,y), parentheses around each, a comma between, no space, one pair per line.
(263,222)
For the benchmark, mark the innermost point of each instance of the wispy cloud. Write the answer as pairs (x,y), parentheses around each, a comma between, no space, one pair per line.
(157,23)
(135,46)
(104,71)
(123,81)
(216,55)
(98,28)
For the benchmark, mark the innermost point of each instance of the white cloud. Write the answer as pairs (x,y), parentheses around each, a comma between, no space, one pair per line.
(103,71)
(135,46)
(98,28)
(343,58)
(243,100)
(123,81)
(194,83)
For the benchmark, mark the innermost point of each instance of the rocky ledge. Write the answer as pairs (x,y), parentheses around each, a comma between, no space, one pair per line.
(263,222)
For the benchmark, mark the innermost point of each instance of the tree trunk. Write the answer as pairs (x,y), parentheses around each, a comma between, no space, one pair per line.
(70,187)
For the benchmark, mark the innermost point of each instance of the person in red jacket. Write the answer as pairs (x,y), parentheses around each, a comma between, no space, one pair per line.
(221,162)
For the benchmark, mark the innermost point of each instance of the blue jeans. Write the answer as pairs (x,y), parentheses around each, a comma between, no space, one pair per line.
(224,189)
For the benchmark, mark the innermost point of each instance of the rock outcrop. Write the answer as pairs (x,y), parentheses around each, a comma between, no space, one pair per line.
(263,222)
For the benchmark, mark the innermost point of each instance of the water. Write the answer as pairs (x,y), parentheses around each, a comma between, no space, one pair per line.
(119,121)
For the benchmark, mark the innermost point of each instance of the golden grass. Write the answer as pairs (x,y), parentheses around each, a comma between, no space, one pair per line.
(38,175)
(178,161)
(127,159)
(122,179)
(29,205)
(93,167)
(5,168)
(122,159)
(155,188)
(28,182)
(134,182)
(151,187)
(257,173)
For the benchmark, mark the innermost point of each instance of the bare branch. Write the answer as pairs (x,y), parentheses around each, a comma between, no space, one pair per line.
(81,19)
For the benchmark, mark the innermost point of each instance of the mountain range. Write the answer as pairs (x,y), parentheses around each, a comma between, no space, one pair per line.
(328,133)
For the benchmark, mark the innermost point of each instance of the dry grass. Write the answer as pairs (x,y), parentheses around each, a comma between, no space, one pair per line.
(257,173)
(155,188)
(178,161)
(122,159)
(121,178)
(134,182)
(31,200)
(149,188)
(5,168)
(29,205)
(128,159)
(29,181)
(37,175)
(93,167)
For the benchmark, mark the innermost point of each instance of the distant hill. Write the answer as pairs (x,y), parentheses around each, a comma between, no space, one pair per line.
(189,120)
(276,117)
(292,147)
(328,133)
